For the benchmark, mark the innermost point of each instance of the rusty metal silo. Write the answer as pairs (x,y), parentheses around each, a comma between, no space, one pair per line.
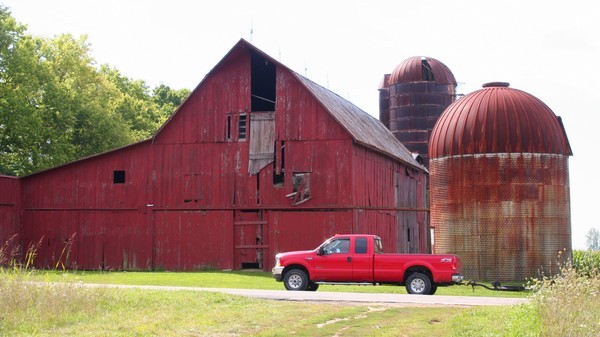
(499,180)
(412,98)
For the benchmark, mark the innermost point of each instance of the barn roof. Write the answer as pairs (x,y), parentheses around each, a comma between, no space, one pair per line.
(364,128)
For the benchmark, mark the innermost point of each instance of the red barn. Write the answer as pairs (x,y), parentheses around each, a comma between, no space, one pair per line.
(257,160)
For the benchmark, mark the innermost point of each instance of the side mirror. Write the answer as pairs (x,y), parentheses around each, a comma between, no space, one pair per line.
(321,251)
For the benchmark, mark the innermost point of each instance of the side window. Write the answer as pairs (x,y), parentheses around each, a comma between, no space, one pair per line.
(378,247)
(242,130)
(361,246)
(339,246)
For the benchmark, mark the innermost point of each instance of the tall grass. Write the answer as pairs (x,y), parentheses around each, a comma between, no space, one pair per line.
(568,304)
(47,304)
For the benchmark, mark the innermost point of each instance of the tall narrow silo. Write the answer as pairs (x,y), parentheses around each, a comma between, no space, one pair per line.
(412,98)
(499,180)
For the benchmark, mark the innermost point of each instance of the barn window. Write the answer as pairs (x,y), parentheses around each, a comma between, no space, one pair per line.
(243,126)
(262,84)
(119,177)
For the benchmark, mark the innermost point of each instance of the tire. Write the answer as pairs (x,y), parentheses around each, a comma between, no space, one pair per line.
(418,284)
(312,286)
(433,289)
(295,279)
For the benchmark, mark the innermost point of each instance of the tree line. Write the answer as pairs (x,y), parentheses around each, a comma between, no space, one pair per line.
(58,105)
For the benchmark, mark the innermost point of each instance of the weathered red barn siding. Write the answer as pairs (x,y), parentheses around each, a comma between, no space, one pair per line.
(302,117)
(108,222)
(398,192)
(306,229)
(9,209)
(196,176)
(97,240)
(194,240)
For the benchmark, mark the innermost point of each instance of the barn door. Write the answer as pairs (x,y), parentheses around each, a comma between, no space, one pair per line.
(250,239)
(262,140)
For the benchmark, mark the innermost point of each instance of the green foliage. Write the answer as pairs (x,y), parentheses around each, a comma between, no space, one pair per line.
(57,105)
(586,262)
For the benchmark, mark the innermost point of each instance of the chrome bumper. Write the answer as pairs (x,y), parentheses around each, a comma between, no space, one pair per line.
(277,273)
(457,278)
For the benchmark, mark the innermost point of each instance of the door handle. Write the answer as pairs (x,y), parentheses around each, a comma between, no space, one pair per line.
(348,259)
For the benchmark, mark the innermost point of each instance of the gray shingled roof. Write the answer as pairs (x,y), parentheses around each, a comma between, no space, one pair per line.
(364,128)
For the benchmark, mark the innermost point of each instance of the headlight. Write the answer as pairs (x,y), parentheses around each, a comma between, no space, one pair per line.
(277,260)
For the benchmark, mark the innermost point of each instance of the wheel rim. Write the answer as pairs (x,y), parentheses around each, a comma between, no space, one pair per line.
(295,281)
(417,285)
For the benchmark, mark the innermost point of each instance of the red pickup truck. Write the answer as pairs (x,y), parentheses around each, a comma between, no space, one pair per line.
(359,259)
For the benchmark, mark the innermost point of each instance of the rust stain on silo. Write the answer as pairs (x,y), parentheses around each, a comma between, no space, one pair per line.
(506,216)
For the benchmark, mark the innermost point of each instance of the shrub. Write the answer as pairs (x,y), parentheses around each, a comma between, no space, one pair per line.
(586,261)
(568,303)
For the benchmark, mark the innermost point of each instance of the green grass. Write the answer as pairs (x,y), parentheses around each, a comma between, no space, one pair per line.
(135,312)
(241,280)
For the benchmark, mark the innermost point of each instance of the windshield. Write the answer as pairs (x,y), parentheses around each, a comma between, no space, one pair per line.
(337,246)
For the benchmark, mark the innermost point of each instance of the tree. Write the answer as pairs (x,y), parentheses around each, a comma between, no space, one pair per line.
(20,76)
(593,239)
(58,105)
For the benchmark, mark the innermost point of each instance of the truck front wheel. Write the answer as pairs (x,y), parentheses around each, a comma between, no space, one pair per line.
(295,279)
(419,284)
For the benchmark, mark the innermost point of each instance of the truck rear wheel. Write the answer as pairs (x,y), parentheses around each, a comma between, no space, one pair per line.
(418,284)
(295,279)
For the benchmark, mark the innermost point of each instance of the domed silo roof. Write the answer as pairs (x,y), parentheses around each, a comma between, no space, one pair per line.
(421,68)
(498,119)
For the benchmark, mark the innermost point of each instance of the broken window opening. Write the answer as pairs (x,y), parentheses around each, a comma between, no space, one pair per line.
(301,188)
(426,71)
(118,177)
(228,126)
(258,189)
(242,126)
(279,164)
(250,265)
(262,84)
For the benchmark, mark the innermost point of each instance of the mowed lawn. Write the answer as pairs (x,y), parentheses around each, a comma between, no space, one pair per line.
(243,280)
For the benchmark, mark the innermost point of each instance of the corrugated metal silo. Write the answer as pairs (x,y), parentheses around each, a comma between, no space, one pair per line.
(499,180)
(412,98)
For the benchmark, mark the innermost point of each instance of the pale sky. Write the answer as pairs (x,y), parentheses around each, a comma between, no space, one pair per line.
(546,48)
